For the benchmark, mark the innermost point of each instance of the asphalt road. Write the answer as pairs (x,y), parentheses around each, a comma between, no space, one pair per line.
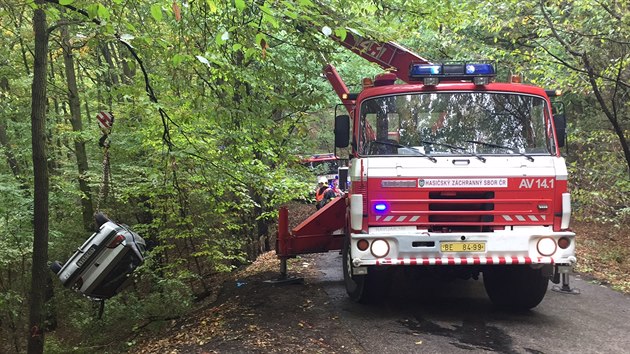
(457,317)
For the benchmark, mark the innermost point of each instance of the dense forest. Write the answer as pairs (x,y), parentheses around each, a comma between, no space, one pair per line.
(214,103)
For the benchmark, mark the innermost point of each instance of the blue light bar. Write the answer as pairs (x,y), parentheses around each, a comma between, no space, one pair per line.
(479,69)
(452,71)
(424,70)
(380,206)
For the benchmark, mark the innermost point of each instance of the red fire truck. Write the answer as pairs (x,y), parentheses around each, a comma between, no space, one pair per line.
(451,174)
(323,165)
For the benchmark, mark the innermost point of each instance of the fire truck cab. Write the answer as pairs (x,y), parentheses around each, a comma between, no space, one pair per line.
(458,171)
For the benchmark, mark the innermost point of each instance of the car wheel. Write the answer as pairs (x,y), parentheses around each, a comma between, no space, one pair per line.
(55,267)
(100,219)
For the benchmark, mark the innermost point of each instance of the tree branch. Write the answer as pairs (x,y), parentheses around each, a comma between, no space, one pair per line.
(566,46)
(166,137)
(609,10)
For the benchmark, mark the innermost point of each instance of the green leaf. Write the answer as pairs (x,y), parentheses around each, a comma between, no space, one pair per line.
(240,5)
(260,37)
(271,20)
(130,27)
(102,12)
(156,12)
(212,6)
(341,33)
(65,2)
(92,10)
(178,58)
(222,37)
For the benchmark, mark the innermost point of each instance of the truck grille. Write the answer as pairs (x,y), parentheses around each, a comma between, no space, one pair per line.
(461,211)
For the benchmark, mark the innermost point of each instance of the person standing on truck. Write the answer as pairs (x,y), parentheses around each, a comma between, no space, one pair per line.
(323,193)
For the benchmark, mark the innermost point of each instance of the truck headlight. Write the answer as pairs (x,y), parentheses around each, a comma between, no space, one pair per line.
(546,246)
(380,248)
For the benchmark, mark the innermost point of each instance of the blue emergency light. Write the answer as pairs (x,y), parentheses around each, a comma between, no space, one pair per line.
(480,69)
(380,207)
(424,70)
(479,73)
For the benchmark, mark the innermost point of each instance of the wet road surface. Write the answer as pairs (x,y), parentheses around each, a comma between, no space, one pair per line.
(433,316)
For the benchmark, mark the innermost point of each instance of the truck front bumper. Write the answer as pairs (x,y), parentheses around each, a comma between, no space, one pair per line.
(518,245)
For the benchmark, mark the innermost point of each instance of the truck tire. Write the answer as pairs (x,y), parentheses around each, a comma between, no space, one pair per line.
(355,284)
(515,287)
(366,289)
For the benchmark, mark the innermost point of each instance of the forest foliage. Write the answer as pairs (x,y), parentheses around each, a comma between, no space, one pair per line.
(215,102)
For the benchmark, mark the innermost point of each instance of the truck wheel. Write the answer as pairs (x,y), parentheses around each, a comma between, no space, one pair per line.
(515,287)
(369,288)
(355,284)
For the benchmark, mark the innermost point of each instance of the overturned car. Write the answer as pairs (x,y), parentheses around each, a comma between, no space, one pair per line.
(102,266)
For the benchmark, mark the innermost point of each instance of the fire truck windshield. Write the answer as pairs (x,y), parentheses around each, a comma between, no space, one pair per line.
(455,123)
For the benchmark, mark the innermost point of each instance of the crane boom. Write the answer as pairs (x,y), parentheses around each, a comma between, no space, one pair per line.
(389,55)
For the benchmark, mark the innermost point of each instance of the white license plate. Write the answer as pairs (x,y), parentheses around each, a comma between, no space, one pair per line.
(86,256)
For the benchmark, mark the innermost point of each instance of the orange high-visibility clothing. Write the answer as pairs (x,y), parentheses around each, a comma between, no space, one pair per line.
(319,195)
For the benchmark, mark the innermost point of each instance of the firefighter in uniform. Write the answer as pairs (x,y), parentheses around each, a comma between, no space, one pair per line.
(323,193)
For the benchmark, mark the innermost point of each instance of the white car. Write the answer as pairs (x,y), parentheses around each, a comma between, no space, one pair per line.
(102,266)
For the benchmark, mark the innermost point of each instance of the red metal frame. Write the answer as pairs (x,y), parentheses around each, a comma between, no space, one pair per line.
(389,55)
(321,232)
(320,158)
(339,86)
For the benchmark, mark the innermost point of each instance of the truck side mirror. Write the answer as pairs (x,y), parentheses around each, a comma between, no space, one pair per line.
(560,122)
(342,131)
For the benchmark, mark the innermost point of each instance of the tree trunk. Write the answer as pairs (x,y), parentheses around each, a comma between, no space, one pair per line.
(112,77)
(77,126)
(611,114)
(39,272)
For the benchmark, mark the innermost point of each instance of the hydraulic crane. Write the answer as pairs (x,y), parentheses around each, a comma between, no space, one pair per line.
(452,174)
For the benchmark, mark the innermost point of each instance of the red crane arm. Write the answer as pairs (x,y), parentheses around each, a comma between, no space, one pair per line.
(339,86)
(390,56)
